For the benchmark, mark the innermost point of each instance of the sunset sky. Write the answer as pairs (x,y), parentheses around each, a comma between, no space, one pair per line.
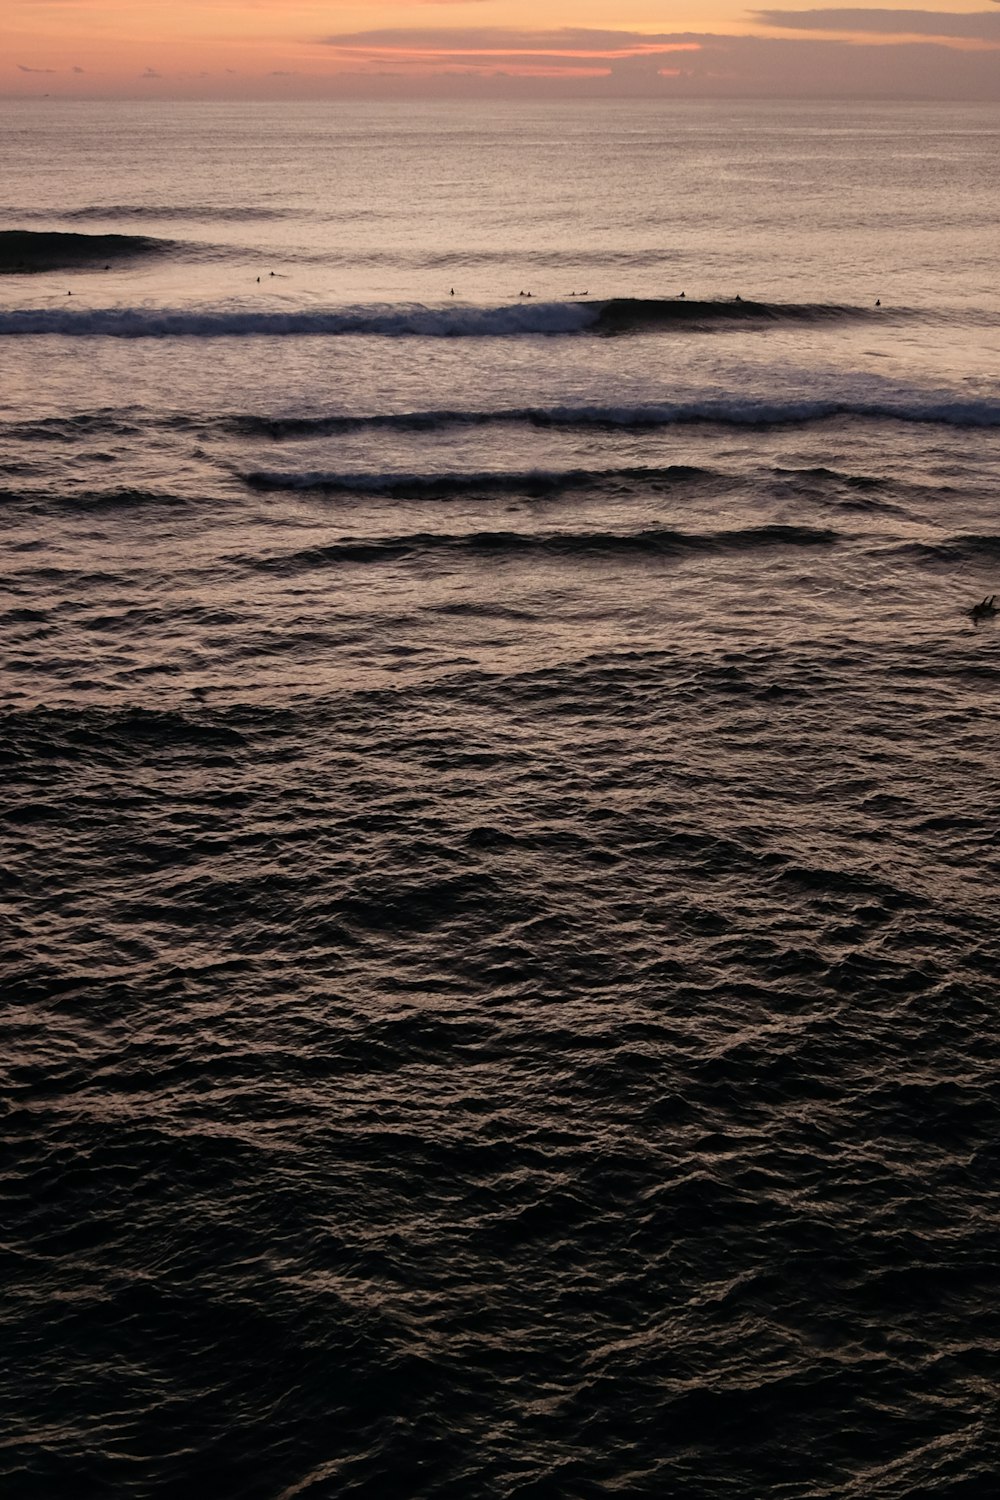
(462,48)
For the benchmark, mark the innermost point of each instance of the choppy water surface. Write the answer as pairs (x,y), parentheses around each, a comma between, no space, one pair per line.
(500,802)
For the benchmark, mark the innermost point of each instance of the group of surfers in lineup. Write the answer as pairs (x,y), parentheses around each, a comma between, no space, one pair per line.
(680,295)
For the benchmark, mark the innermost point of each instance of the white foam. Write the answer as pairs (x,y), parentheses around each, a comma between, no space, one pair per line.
(525,317)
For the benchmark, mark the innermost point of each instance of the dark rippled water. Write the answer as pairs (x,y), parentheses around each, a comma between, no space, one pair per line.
(500,808)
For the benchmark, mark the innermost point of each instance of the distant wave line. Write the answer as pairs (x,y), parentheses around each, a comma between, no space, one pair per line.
(735,411)
(721,410)
(529,481)
(652,542)
(177,213)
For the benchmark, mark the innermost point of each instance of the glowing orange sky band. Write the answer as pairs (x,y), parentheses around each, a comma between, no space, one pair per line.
(526,70)
(603,53)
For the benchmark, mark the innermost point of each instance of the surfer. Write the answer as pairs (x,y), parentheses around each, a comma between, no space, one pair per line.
(985,610)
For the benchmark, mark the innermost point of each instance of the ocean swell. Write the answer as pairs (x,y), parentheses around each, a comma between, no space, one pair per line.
(719,409)
(441,486)
(656,541)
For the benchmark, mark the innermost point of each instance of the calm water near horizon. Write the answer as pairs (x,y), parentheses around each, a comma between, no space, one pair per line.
(500,801)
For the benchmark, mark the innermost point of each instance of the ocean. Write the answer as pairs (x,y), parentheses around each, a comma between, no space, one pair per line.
(500,793)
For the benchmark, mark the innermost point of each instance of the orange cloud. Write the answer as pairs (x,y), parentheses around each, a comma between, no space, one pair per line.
(526,54)
(254,48)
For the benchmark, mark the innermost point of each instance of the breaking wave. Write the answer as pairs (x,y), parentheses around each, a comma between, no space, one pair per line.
(386,321)
(526,316)
(27,250)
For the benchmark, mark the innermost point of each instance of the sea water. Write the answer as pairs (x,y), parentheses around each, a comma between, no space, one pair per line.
(500,787)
